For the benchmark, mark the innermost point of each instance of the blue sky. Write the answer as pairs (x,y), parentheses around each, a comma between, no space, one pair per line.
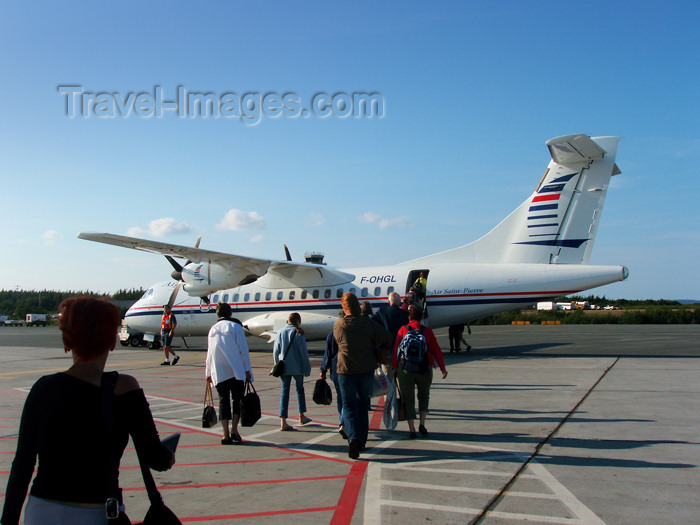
(471,92)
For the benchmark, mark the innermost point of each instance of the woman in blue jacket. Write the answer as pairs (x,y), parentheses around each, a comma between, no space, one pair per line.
(290,346)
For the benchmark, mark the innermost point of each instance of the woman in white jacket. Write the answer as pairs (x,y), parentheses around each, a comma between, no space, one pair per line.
(228,367)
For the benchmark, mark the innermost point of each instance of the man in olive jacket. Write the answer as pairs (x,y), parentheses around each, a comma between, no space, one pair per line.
(362,345)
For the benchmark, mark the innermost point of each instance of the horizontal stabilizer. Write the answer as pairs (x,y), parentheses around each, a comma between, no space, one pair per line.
(572,149)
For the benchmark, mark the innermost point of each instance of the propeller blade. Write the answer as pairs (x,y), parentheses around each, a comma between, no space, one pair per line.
(174,263)
(177,273)
(196,245)
(286,252)
(173,295)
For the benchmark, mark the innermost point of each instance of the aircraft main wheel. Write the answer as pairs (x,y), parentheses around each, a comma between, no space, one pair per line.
(134,340)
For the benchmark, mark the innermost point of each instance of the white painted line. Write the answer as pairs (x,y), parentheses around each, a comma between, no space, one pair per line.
(434,508)
(565,496)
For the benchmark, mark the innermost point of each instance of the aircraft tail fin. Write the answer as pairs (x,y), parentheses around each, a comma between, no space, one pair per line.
(558,222)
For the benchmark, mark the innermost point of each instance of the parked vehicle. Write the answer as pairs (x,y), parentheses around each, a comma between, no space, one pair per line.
(566,306)
(547,305)
(129,336)
(36,320)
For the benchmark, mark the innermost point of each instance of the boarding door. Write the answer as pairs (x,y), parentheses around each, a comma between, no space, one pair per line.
(413,276)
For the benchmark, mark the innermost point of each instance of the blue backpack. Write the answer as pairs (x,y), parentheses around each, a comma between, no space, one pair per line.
(413,351)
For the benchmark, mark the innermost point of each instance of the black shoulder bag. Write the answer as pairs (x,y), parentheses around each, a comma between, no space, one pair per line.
(278,369)
(158,513)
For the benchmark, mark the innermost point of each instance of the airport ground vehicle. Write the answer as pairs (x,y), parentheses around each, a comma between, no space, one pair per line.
(547,305)
(36,320)
(129,336)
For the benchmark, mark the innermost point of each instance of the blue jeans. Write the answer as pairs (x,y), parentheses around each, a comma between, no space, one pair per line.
(356,390)
(284,396)
(339,400)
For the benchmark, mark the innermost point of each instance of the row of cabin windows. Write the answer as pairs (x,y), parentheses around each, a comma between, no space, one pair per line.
(315,294)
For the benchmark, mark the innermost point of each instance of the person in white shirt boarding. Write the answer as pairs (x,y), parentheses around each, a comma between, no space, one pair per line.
(228,368)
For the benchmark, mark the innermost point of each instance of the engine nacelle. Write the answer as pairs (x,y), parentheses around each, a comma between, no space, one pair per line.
(315,326)
(204,278)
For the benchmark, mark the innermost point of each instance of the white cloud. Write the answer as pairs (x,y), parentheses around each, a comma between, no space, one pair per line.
(317,219)
(239,220)
(51,236)
(369,218)
(396,222)
(160,228)
(257,238)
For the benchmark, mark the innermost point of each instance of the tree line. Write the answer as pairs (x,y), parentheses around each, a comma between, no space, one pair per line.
(647,311)
(16,304)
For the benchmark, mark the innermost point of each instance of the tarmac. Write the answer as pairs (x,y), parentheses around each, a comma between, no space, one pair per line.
(570,424)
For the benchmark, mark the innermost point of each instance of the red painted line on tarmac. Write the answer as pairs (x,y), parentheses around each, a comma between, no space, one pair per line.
(377,416)
(351,492)
(239,462)
(238,483)
(311,455)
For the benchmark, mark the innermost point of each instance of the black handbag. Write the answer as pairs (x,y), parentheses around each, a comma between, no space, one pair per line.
(278,369)
(322,393)
(250,406)
(158,513)
(209,414)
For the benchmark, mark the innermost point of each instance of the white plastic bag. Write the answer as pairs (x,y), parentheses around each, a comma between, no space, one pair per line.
(381,383)
(391,408)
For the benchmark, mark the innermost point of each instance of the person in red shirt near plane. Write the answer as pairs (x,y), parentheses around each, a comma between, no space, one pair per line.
(409,380)
(167,328)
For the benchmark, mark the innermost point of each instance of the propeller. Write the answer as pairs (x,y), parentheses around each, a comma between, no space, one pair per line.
(177,275)
(286,252)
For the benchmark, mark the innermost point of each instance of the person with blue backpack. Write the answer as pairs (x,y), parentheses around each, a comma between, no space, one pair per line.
(416,353)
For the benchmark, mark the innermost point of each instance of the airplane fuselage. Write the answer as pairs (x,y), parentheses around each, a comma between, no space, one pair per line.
(456,293)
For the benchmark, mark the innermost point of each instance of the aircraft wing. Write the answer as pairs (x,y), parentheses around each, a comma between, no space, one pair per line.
(273,273)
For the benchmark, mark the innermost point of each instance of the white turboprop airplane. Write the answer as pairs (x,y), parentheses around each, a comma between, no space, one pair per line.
(539,252)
